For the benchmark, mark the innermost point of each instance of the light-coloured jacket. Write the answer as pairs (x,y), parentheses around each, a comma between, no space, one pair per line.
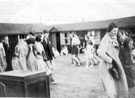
(118,88)
(21,50)
(3,63)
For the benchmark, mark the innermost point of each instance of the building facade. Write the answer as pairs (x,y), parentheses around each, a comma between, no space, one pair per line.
(60,34)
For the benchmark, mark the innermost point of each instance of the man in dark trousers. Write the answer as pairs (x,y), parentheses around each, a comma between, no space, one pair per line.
(48,50)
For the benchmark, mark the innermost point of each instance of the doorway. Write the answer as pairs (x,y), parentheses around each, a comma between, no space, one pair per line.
(58,41)
(13,40)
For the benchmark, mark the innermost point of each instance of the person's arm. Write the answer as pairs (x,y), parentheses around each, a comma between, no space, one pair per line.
(85,37)
(103,49)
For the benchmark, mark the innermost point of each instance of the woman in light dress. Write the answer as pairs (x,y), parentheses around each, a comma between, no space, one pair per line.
(42,66)
(89,55)
(89,49)
(31,60)
(108,51)
(19,60)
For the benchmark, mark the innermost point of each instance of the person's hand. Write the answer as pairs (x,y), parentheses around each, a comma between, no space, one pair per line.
(110,64)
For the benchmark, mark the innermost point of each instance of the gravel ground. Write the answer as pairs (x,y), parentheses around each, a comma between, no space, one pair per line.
(76,82)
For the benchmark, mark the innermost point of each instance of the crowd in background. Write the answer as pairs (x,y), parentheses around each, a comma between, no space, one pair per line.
(34,53)
(88,47)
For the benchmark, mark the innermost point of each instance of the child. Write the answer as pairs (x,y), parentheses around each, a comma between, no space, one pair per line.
(55,51)
(64,51)
(89,54)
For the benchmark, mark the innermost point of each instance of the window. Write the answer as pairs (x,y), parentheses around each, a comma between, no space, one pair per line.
(65,35)
(66,41)
(65,38)
(22,36)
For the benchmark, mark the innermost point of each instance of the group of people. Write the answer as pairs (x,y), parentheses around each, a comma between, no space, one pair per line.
(90,51)
(116,67)
(88,46)
(116,52)
(31,54)
(115,57)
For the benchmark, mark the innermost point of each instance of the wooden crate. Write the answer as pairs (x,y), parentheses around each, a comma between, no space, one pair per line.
(26,84)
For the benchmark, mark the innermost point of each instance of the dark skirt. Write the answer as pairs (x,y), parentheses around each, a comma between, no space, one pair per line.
(75,50)
(130,74)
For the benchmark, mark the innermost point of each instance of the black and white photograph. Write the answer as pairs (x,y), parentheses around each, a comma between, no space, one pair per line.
(67,48)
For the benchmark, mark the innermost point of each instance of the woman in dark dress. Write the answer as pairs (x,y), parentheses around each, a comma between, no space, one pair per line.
(125,58)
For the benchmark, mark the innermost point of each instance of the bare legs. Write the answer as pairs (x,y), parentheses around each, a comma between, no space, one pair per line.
(76,60)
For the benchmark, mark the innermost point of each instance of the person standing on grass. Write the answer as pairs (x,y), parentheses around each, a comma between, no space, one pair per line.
(127,61)
(19,58)
(108,51)
(49,53)
(42,66)
(75,49)
(89,54)
(89,49)
(31,61)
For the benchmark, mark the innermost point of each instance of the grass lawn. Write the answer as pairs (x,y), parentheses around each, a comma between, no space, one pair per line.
(76,82)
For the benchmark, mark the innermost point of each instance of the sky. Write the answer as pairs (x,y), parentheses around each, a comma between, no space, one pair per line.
(63,11)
